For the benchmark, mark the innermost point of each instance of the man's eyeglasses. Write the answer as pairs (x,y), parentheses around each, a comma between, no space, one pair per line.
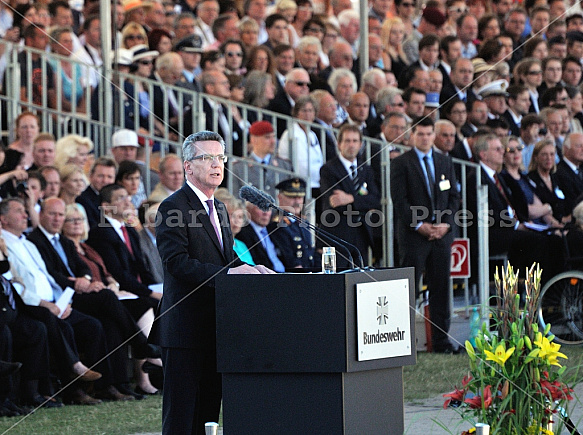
(208,158)
(302,83)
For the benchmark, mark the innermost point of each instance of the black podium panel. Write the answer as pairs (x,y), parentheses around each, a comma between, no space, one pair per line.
(287,349)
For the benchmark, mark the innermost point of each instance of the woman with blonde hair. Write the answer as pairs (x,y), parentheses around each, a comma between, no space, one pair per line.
(73,149)
(249,30)
(73,183)
(392,36)
(133,34)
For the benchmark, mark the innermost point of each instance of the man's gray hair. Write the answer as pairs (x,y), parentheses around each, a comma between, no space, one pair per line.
(346,16)
(5,204)
(308,41)
(290,76)
(369,76)
(181,17)
(189,148)
(482,144)
(340,73)
(386,97)
(442,123)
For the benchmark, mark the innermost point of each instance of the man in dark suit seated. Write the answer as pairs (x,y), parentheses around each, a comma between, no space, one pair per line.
(326,106)
(257,238)
(507,234)
(91,298)
(340,56)
(518,105)
(292,240)
(425,197)
(461,76)
(297,83)
(350,195)
(102,173)
(569,172)
(196,244)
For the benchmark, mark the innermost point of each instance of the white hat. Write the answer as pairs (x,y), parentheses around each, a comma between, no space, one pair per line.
(142,50)
(122,57)
(497,87)
(124,138)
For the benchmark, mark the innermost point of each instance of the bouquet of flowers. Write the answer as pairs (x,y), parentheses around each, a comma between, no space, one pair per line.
(514,383)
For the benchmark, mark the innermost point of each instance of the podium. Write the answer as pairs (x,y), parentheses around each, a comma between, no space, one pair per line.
(315,353)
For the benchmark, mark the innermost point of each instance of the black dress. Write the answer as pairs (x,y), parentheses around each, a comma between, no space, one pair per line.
(555,198)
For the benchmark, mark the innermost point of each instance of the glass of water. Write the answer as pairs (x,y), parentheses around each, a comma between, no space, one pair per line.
(329,260)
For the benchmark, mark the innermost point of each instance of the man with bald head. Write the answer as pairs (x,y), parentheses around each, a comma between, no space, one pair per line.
(444,137)
(340,56)
(569,172)
(297,83)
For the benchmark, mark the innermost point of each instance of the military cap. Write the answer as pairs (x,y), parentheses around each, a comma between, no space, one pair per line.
(292,187)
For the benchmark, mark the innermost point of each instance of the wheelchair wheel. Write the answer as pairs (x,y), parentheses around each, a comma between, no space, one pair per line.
(561,305)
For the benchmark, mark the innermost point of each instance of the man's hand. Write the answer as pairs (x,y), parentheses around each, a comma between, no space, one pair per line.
(245,269)
(67,312)
(426,230)
(96,286)
(440,230)
(81,285)
(264,270)
(51,307)
(340,198)
(156,295)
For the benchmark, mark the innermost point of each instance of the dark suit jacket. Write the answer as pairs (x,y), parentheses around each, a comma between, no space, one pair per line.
(333,176)
(55,265)
(446,78)
(448,91)
(280,104)
(91,202)
(331,143)
(514,128)
(192,257)
(235,137)
(570,184)
(411,196)
(248,236)
(117,258)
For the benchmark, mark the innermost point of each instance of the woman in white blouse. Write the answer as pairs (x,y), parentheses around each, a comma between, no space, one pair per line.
(301,145)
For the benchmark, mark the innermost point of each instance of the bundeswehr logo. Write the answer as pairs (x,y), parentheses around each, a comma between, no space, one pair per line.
(382,310)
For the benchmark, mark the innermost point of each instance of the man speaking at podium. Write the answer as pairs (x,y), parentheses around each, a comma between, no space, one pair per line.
(195,242)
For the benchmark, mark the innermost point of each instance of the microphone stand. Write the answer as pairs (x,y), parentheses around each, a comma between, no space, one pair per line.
(343,243)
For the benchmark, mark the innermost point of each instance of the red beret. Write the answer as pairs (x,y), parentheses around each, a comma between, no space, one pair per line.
(434,16)
(259,128)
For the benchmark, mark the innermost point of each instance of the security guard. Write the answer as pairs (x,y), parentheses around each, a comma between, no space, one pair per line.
(292,241)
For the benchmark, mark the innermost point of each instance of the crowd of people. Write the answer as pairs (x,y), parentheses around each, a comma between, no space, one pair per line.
(493,82)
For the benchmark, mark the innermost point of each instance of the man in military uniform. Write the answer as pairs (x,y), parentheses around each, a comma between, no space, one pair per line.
(293,241)
(261,173)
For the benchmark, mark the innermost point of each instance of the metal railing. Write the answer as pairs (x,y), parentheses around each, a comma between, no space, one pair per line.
(113,104)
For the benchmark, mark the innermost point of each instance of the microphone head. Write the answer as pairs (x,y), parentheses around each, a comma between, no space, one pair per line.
(262,200)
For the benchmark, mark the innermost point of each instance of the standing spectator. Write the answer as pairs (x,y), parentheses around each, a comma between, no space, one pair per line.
(425,241)
(301,146)
(26,129)
(349,189)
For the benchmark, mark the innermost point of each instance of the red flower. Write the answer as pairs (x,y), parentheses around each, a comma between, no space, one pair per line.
(476,401)
(457,395)
(555,390)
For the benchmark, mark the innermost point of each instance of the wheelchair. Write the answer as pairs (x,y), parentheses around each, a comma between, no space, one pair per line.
(561,301)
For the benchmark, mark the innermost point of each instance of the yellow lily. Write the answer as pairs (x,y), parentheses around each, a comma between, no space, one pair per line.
(549,351)
(500,355)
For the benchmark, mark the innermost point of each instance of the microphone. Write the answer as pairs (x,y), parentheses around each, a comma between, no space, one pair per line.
(264,202)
